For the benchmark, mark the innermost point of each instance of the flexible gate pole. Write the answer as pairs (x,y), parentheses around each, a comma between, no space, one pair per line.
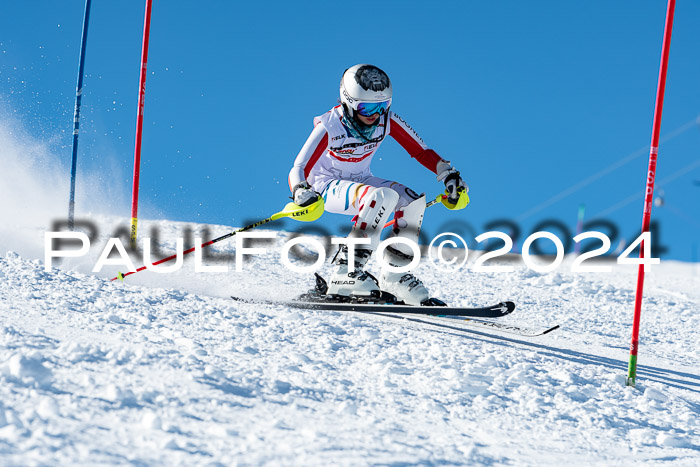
(139,124)
(649,198)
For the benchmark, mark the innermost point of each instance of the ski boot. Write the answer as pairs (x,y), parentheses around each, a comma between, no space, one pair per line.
(352,281)
(404,285)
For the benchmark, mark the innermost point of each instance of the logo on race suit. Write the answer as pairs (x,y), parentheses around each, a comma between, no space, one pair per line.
(339,174)
(372,78)
(409,127)
(344,152)
(361,152)
(349,159)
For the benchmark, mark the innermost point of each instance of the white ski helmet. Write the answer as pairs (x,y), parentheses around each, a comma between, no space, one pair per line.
(365,84)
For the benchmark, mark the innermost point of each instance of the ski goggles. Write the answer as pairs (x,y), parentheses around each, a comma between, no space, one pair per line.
(367,109)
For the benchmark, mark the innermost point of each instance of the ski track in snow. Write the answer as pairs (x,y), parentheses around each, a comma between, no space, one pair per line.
(164,369)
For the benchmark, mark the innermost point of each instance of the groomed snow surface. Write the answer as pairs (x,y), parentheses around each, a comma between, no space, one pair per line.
(165,369)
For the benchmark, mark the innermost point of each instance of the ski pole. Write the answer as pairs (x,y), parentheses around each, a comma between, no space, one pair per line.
(76,116)
(304,214)
(427,205)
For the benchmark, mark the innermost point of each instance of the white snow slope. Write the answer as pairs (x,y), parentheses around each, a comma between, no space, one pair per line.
(165,369)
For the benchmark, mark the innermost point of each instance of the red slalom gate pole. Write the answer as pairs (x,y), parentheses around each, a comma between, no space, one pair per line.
(139,123)
(646,217)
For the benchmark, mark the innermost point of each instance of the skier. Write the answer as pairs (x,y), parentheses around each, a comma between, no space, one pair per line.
(335,163)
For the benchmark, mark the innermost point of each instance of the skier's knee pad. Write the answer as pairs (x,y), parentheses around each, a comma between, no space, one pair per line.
(409,219)
(375,209)
(379,202)
(408,223)
(385,196)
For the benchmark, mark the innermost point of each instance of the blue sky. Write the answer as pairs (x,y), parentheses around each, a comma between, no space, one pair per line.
(527,99)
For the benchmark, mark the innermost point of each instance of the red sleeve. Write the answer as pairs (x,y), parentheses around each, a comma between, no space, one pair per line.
(413,144)
(316,144)
(320,149)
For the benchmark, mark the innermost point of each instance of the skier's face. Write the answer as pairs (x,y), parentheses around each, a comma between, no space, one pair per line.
(368,120)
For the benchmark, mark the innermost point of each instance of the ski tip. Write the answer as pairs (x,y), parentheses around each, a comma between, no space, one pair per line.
(120,276)
(433,302)
(506,307)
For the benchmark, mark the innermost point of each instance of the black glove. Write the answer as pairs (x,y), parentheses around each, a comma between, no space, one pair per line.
(304,195)
(453,182)
(453,186)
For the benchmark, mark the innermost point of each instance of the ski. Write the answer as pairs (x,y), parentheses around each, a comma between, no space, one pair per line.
(328,304)
(471,324)
(382,302)
(503,327)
